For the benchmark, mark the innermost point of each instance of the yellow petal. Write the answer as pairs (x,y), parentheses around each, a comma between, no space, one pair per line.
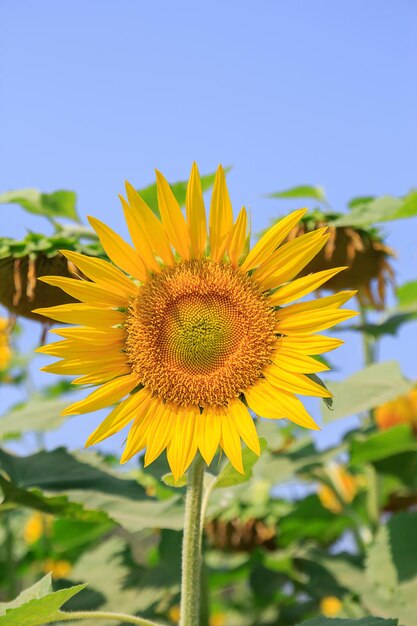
(164,419)
(209,432)
(103,374)
(78,349)
(221,216)
(302,286)
(196,214)
(82,314)
(143,219)
(183,445)
(172,217)
(311,344)
(146,231)
(238,237)
(294,383)
(119,251)
(266,401)
(302,323)
(329,302)
(230,442)
(92,335)
(106,395)
(93,365)
(103,273)
(59,348)
(138,434)
(86,292)
(296,361)
(139,239)
(244,424)
(121,415)
(290,259)
(274,236)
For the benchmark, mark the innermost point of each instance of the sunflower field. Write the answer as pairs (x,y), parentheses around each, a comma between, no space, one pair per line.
(207,492)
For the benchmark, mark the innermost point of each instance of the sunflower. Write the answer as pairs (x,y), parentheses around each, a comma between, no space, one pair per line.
(187,330)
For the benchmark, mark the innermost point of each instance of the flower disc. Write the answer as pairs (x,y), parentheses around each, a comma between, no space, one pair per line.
(199,333)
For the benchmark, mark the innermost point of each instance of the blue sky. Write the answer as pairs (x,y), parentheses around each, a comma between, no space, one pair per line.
(287,92)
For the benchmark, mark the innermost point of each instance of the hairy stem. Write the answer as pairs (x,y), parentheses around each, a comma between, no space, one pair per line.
(191,546)
(118,617)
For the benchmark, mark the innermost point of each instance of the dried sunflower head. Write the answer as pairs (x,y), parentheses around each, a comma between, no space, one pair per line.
(22,262)
(361,250)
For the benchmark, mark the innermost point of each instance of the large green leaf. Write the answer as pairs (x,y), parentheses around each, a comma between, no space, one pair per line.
(301,191)
(382,209)
(149,194)
(365,390)
(39,414)
(86,481)
(380,445)
(61,203)
(70,474)
(391,570)
(407,295)
(364,621)
(37,605)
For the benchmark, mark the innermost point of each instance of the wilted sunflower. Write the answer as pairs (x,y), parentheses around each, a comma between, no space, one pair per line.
(193,329)
(362,250)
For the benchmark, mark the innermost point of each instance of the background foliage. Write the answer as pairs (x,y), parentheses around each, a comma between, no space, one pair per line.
(307,533)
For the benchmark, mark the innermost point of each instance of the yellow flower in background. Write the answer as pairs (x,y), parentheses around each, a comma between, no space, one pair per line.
(402,410)
(59,568)
(217,619)
(36,526)
(345,488)
(5,351)
(174,614)
(193,329)
(330,606)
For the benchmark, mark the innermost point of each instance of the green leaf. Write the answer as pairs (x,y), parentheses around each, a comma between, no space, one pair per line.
(35,471)
(391,571)
(37,605)
(96,487)
(310,519)
(169,480)
(39,414)
(407,295)
(149,194)
(229,477)
(301,191)
(382,209)
(383,444)
(364,621)
(61,203)
(365,390)
(389,326)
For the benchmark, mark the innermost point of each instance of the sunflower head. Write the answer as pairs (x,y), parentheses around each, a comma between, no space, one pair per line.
(237,535)
(22,262)
(186,330)
(361,250)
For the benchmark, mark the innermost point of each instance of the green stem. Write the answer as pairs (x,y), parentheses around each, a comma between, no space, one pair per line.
(191,546)
(118,617)
(368,341)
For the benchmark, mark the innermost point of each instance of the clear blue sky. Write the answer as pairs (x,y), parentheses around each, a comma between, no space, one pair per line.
(288,92)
